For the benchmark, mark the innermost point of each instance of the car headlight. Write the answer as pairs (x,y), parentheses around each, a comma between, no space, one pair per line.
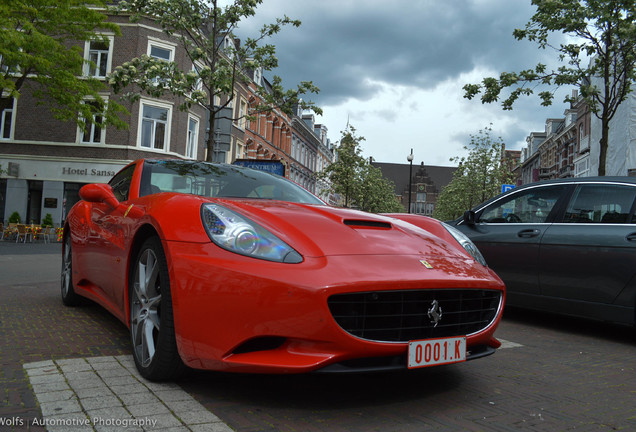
(236,233)
(466,243)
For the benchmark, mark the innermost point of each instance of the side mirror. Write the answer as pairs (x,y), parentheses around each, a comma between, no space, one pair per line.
(469,217)
(99,192)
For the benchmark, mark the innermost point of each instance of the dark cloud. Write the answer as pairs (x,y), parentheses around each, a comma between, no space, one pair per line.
(344,45)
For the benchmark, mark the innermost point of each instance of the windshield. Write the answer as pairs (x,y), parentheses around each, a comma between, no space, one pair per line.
(219,180)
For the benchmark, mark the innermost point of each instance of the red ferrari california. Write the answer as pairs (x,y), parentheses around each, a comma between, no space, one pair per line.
(226,268)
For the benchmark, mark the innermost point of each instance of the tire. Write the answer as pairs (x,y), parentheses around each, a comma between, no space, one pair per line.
(69,297)
(151,319)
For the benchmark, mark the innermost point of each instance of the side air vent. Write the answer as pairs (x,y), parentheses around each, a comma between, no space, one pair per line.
(367,224)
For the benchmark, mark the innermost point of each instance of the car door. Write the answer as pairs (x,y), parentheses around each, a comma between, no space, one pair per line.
(108,239)
(508,233)
(590,254)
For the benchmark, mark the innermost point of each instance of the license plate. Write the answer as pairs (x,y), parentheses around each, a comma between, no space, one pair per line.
(432,352)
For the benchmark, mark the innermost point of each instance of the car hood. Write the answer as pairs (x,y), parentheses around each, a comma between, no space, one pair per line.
(315,230)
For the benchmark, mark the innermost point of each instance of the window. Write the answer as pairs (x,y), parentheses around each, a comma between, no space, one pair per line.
(98,55)
(160,50)
(419,204)
(92,134)
(155,125)
(6,121)
(240,150)
(527,206)
(6,67)
(207,180)
(229,47)
(193,137)
(121,183)
(241,113)
(196,68)
(258,75)
(582,167)
(598,203)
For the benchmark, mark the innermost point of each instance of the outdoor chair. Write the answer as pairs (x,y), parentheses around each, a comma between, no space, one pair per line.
(22,233)
(9,232)
(45,234)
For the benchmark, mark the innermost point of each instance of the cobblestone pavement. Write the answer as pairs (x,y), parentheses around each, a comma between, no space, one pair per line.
(556,374)
(106,393)
(569,375)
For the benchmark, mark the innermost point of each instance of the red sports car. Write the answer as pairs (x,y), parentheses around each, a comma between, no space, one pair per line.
(222,267)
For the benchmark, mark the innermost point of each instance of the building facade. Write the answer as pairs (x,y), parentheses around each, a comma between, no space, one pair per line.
(425,181)
(44,161)
(570,147)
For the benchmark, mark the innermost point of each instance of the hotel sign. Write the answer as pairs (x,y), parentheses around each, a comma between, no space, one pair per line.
(61,170)
(92,172)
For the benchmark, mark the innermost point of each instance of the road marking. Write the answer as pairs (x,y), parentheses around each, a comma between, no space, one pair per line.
(508,344)
(107,393)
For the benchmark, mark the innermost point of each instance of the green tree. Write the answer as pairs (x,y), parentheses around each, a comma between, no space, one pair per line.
(203,30)
(478,177)
(377,193)
(602,43)
(344,175)
(360,183)
(39,48)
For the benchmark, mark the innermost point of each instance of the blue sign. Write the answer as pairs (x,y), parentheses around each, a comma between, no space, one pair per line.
(274,167)
(506,187)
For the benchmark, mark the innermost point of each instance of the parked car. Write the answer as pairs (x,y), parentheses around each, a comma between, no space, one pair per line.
(226,268)
(564,246)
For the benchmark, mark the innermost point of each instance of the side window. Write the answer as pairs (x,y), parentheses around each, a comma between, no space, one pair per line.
(121,183)
(600,203)
(527,206)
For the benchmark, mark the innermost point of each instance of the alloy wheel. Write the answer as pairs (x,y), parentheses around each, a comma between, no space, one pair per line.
(145,308)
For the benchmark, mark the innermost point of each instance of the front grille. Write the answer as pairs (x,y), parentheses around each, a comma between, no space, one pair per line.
(401,316)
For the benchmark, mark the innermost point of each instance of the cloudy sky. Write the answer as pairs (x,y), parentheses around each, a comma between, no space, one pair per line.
(395,70)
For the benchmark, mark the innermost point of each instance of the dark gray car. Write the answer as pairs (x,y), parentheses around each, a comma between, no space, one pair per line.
(565,246)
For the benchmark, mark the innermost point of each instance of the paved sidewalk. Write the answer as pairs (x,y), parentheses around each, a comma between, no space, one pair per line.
(107,394)
(69,369)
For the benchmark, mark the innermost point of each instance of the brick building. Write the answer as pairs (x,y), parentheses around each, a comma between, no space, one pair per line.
(426,182)
(45,161)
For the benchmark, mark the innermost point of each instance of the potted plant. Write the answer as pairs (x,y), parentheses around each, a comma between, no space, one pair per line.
(15,218)
(47,221)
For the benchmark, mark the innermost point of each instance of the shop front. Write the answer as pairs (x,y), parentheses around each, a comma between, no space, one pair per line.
(33,187)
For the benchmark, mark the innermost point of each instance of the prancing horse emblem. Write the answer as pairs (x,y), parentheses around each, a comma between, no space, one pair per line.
(435,312)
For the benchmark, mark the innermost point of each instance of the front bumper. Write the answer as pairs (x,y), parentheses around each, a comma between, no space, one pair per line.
(240,314)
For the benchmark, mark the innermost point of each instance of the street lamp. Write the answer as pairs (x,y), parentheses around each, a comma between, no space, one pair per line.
(410,159)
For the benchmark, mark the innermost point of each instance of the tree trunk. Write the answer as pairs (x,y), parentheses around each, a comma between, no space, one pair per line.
(603,145)
(210,139)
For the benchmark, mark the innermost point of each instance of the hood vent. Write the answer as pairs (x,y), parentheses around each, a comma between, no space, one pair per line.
(367,224)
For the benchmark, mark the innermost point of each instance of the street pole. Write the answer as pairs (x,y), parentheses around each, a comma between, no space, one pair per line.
(410,159)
